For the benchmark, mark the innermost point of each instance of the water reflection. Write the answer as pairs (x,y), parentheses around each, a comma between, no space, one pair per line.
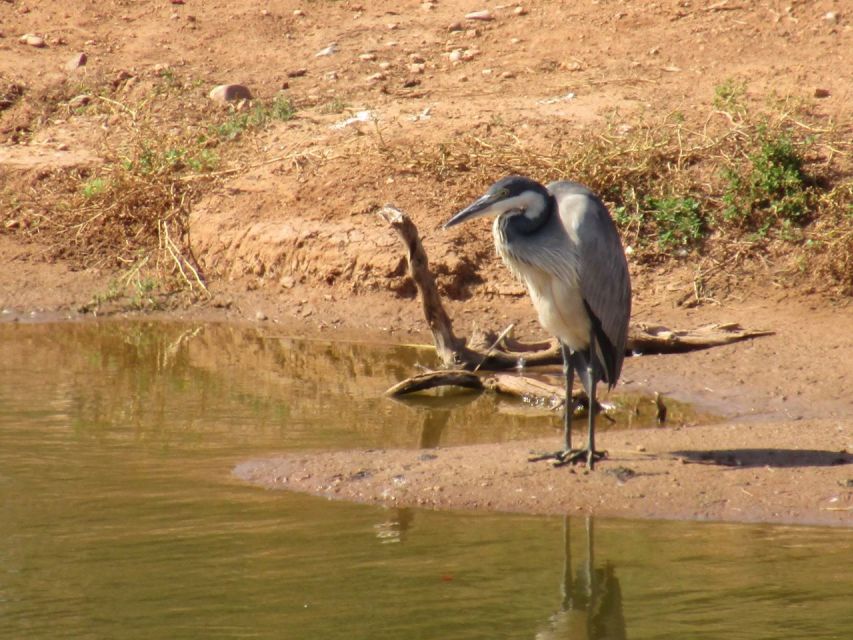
(394,528)
(591,597)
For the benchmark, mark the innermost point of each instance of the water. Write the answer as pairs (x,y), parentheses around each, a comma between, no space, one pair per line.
(119,517)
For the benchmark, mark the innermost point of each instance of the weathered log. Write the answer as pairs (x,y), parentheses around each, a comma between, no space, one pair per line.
(433,379)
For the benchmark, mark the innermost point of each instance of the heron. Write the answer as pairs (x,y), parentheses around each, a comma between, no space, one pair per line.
(561,243)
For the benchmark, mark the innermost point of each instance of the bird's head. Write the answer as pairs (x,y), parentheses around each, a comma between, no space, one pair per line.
(511,196)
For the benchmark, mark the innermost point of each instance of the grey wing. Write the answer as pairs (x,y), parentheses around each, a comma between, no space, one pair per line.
(602,268)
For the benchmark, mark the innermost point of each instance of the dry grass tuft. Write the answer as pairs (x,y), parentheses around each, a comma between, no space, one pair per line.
(131,212)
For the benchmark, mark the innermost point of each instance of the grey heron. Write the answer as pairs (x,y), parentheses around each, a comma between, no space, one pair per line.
(561,242)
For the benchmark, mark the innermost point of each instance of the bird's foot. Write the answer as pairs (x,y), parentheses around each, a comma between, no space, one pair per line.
(571,456)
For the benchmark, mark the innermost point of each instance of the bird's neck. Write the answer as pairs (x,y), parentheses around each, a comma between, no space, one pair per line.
(538,209)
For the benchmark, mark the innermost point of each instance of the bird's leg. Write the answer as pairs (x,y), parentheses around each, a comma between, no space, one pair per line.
(569,403)
(592,370)
(568,455)
(588,454)
(590,441)
(568,410)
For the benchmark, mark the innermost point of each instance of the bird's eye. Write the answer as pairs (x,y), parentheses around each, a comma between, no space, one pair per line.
(503,193)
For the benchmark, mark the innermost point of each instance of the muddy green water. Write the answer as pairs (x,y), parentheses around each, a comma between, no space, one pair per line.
(119,517)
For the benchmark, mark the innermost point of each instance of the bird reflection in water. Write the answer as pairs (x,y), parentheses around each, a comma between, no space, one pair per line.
(395,527)
(591,604)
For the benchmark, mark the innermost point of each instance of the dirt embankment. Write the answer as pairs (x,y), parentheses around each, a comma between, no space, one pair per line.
(287,233)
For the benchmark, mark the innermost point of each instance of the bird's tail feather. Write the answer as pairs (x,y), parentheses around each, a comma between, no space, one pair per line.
(605,353)
(580,361)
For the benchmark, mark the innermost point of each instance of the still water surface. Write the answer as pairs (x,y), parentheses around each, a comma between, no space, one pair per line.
(119,518)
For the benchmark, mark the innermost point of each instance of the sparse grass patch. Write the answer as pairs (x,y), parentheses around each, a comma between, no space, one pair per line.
(335,105)
(259,115)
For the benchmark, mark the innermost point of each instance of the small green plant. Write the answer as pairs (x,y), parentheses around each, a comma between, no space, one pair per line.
(258,117)
(112,293)
(94,188)
(204,160)
(678,221)
(773,188)
(282,108)
(729,97)
(335,105)
(144,296)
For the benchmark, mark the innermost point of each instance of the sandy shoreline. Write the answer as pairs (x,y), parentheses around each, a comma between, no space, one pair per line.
(722,472)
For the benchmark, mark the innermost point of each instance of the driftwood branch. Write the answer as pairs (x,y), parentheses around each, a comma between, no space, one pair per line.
(459,356)
(433,379)
(524,387)
(446,342)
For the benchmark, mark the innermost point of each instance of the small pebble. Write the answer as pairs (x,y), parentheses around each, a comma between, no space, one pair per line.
(367,57)
(79,60)
(831,17)
(327,51)
(230,93)
(376,77)
(417,67)
(520,11)
(297,73)
(821,93)
(484,15)
(260,315)
(416,57)
(298,13)
(456,26)
(32,40)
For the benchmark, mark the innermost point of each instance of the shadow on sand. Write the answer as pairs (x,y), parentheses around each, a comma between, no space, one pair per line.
(768,457)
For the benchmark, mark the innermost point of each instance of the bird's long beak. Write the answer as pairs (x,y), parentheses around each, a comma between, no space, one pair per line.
(478,209)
